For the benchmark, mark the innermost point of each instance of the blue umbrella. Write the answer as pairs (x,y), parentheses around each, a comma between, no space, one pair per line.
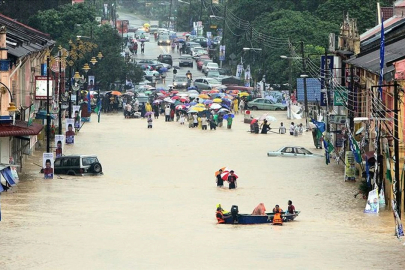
(226,116)
(225,106)
(192,103)
(162,69)
(192,88)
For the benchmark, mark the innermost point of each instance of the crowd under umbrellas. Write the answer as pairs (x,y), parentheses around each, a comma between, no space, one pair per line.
(209,108)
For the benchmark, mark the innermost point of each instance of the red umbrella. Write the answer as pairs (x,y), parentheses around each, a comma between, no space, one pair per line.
(163,92)
(180,107)
(175,97)
(184,100)
(174,92)
(225,175)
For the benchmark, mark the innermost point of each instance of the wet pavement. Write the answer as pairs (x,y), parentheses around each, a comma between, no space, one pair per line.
(154,207)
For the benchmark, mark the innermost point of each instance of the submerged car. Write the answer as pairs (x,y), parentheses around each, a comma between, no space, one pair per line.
(78,165)
(292,151)
(266,104)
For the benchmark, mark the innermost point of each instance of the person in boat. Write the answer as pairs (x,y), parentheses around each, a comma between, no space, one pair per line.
(291,208)
(260,210)
(222,210)
(220,181)
(277,219)
(220,216)
(277,209)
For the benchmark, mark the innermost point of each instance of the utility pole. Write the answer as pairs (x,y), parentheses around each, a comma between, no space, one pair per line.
(304,66)
(201,8)
(48,115)
(60,93)
(170,14)
(326,82)
(396,149)
(350,104)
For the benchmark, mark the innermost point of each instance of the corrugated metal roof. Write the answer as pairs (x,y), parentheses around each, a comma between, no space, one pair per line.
(371,61)
(376,29)
(20,129)
(26,39)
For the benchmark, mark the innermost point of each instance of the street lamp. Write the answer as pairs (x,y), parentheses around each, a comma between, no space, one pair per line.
(289,84)
(252,49)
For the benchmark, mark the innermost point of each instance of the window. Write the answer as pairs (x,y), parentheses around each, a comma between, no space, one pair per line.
(300,151)
(57,162)
(86,161)
(75,162)
(267,101)
(65,162)
(287,150)
(259,101)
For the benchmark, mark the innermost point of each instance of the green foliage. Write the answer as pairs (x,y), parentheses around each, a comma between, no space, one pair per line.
(69,21)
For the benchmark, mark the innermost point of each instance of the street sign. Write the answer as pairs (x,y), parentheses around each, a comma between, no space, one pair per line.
(340,96)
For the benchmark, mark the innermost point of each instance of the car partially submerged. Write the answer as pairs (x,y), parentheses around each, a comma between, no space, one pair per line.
(292,151)
(78,165)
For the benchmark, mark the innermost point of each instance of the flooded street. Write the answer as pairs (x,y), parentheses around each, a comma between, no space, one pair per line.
(154,207)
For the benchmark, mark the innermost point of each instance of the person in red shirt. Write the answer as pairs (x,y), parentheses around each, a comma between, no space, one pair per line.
(291,208)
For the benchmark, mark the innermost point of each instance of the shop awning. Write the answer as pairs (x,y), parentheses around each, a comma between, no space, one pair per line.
(20,129)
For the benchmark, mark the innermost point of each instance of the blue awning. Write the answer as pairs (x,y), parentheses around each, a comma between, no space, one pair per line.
(6,172)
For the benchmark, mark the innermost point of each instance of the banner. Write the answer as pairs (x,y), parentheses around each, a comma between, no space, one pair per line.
(59,144)
(70,134)
(47,165)
(77,123)
(350,167)
(373,204)
(41,87)
(90,86)
(239,70)
(222,52)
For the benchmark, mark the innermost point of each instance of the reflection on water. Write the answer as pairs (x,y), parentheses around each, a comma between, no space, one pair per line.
(154,206)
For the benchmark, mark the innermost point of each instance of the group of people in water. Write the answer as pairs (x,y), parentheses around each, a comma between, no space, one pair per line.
(260,210)
(231,179)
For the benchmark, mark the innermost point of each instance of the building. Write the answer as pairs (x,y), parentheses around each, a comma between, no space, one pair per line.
(23,51)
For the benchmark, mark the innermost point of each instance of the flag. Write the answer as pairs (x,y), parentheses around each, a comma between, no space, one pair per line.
(382,53)
(388,175)
(88,102)
(368,173)
(354,148)
(328,149)
(98,109)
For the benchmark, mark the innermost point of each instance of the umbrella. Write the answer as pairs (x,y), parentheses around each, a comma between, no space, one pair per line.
(163,92)
(205,96)
(225,175)
(175,97)
(216,106)
(162,69)
(244,94)
(192,103)
(177,102)
(168,100)
(148,92)
(192,110)
(263,116)
(116,93)
(149,113)
(196,109)
(226,116)
(192,88)
(157,101)
(214,91)
(271,118)
(217,100)
(180,107)
(200,105)
(146,25)
(184,99)
(207,101)
(183,94)
(223,110)
(224,169)
(205,112)
(174,92)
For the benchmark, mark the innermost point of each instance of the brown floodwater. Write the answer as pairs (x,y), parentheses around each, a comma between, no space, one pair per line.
(154,207)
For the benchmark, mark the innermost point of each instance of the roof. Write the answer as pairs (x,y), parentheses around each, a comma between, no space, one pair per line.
(377,29)
(23,40)
(400,3)
(20,128)
(371,61)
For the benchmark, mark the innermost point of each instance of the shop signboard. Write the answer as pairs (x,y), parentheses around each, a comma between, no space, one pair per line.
(41,86)
(340,96)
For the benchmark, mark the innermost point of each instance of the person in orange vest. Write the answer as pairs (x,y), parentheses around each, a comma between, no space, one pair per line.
(277,219)
(220,215)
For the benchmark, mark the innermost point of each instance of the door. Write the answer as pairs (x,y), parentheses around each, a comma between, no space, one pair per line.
(268,105)
(288,152)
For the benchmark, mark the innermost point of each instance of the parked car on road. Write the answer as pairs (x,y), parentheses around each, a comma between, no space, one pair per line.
(200,61)
(77,165)
(189,47)
(166,58)
(213,74)
(266,104)
(206,83)
(210,67)
(292,151)
(186,60)
(201,40)
(205,63)
(197,51)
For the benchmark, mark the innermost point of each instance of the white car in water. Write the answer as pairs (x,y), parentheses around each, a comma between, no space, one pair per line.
(292,151)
